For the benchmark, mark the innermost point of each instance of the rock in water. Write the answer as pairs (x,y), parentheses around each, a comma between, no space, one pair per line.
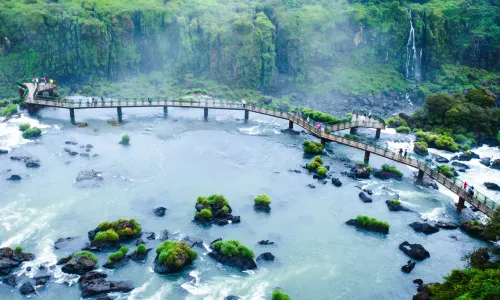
(441,159)
(27,288)
(492,186)
(88,175)
(415,251)
(11,280)
(267,256)
(375,228)
(93,284)
(460,165)
(336,182)
(446,225)
(312,186)
(79,265)
(424,292)
(159,211)
(408,267)
(231,297)
(3,151)
(423,227)
(265,242)
(41,280)
(418,281)
(237,261)
(495,164)
(485,161)
(396,206)
(365,198)
(10,260)
(14,177)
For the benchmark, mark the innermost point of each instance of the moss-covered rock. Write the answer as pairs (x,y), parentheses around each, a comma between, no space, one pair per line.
(108,234)
(233,253)
(311,147)
(171,257)
(214,209)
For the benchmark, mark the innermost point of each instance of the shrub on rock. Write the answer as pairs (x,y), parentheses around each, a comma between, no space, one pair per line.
(318,159)
(32,133)
(321,171)
(214,209)
(446,171)
(372,224)
(125,140)
(279,295)
(18,249)
(24,127)
(173,256)
(420,148)
(312,166)
(392,169)
(204,214)
(9,110)
(118,254)
(403,129)
(233,248)
(262,199)
(313,147)
(107,236)
(87,254)
(233,253)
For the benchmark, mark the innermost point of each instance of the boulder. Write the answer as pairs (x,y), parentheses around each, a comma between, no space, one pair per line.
(41,280)
(11,280)
(415,251)
(26,288)
(460,165)
(236,261)
(364,198)
(115,264)
(424,228)
(467,156)
(446,225)
(312,186)
(379,229)
(89,146)
(193,241)
(418,281)
(261,207)
(79,265)
(139,257)
(369,192)
(89,175)
(492,186)
(28,160)
(396,207)
(71,143)
(10,260)
(473,229)
(359,172)
(420,150)
(336,182)
(3,151)
(69,244)
(84,154)
(159,211)
(150,236)
(267,256)
(384,175)
(440,159)
(295,171)
(424,292)
(485,161)
(495,164)
(64,260)
(231,297)
(426,182)
(265,242)
(14,177)
(408,267)
(93,284)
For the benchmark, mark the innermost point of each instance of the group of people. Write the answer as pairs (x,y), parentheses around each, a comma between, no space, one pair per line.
(364,115)
(36,81)
(93,101)
(471,189)
(400,153)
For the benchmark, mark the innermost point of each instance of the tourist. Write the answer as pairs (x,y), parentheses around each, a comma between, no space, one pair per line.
(406,153)
(149,100)
(357,115)
(465,185)
(51,81)
(370,116)
(400,152)
(471,191)
(88,101)
(307,119)
(244,103)
(102,100)
(253,105)
(44,79)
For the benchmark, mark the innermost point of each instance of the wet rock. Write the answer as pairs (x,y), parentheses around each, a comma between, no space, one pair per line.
(473,229)
(265,242)
(446,225)
(460,165)
(164,235)
(485,161)
(267,256)
(295,171)
(365,198)
(3,151)
(427,182)
(492,186)
(420,150)
(379,229)
(28,269)
(159,211)
(368,191)
(139,257)
(14,177)
(79,265)
(231,297)
(28,160)
(62,243)
(312,186)
(73,153)
(359,172)
(89,146)
(11,280)
(424,292)
(384,175)
(89,175)
(93,284)
(88,150)
(104,298)
(408,267)
(467,156)
(151,235)
(495,164)
(415,251)
(41,280)
(71,143)
(336,182)
(64,260)
(84,155)
(193,241)
(423,227)
(418,281)
(115,264)
(396,206)
(27,288)
(237,261)
(262,208)
(10,260)
(440,159)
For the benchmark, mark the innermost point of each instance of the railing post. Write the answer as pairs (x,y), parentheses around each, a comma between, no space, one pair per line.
(367,157)
(420,174)
(323,141)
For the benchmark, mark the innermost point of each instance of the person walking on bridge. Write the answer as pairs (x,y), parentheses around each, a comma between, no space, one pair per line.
(465,185)
(244,103)
(400,152)
(406,153)
(370,116)
(357,115)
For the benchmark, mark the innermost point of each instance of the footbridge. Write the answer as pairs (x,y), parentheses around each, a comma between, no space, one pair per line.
(34,98)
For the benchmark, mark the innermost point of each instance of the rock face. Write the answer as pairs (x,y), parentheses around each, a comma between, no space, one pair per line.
(11,280)
(28,160)
(460,165)
(79,265)
(446,225)
(267,256)
(424,228)
(10,260)
(41,280)
(336,182)
(364,198)
(237,261)
(420,150)
(359,172)
(27,288)
(467,156)
(14,177)
(408,267)
(492,186)
(93,284)
(396,207)
(380,229)
(415,251)
(474,230)
(159,211)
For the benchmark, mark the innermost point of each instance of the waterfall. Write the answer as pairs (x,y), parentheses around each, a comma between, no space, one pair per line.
(412,62)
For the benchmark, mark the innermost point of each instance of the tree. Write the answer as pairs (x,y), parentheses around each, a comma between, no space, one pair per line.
(480,97)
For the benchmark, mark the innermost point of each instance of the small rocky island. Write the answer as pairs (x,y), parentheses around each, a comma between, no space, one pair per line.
(109,234)
(214,209)
(262,202)
(232,253)
(370,224)
(172,257)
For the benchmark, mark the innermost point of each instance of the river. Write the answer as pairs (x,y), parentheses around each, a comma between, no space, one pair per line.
(170,162)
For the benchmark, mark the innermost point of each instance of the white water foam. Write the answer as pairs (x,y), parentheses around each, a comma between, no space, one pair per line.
(11,136)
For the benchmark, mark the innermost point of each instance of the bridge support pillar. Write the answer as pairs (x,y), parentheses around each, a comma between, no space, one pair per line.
(72,115)
(367,157)
(352,130)
(246,115)
(119,114)
(377,134)
(323,141)
(165,111)
(420,174)
(290,124)
(460,205)
(205,113)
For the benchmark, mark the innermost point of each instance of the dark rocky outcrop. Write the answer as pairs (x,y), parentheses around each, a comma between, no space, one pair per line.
(423,227)
(93,284)
(41,280)
(460,165)
(473,229)
(312,186)
(466,156)
(193,241)
(10,260)
(139,257)
(265,242)
(267,256)
(359,172)
(150,236)
(86,176)
(26,288)
(408,267)
(427,182)
(485,161)
(396,207)
(424,292)
(420,150)
(368,191)
(78,265)
(492,186)
(237,261)
(3,151)
(364,198)
(440,159)
(29,161)
(231,297)
(115,264)
(418,281)
(11,280)
(336,182)
(379,229)
(71,143)
(69,243)
(295,171)
(446,225)
(14,177)
(495,164)
(384,175)
(220,216)
(64,260)
(159,211)
(415,251)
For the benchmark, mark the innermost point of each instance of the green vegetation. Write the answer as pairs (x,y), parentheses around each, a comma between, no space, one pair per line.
(141,249)
(125,140)
(197,91)
(175,254)
(204,214)
(421,147)
(446,171)
(396,122)
(403,129)
(279,295)
(321,171)
(351,137)
(211,205)
(392,169)
(24,127)
(18,249)
(439,141)
(119,229)
(9,110)
(313,147)
(317,115)
(492,228)
(371,222)
(32,133)
(262,199)
(396,202)
(87,254)
(313,166)
(318,159)
(233,248)
(118,254)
